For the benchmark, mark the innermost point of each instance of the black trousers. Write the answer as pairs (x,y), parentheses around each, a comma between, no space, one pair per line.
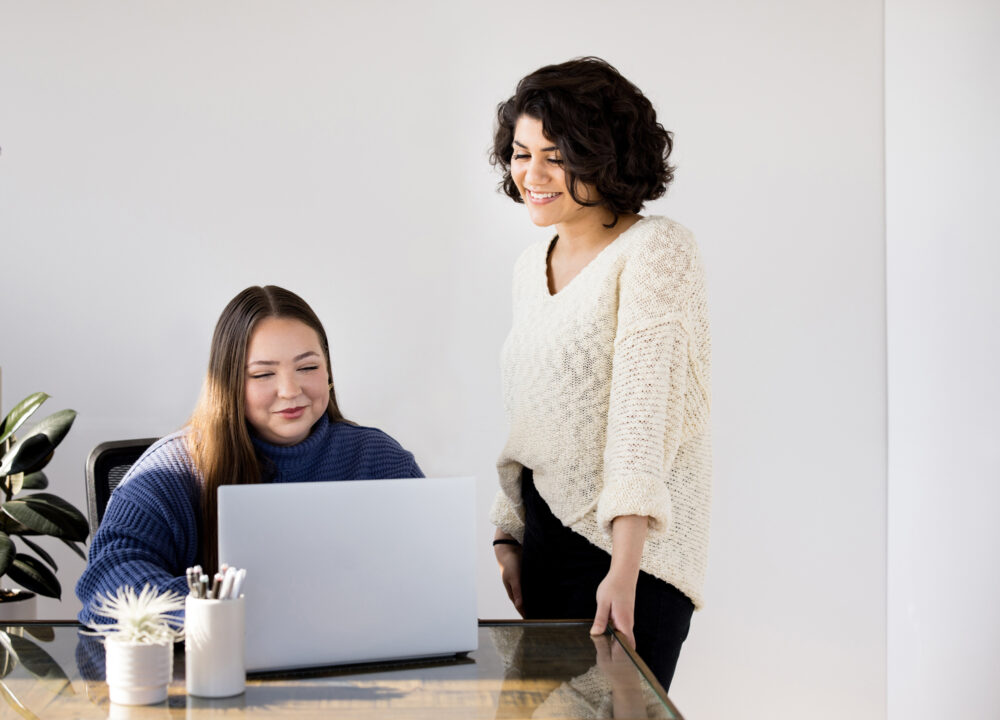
(560,572)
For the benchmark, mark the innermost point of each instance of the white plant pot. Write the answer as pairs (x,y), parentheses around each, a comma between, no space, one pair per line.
(138,673)
(23,606)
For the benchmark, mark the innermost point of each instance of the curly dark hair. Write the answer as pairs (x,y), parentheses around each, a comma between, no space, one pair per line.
(604,127)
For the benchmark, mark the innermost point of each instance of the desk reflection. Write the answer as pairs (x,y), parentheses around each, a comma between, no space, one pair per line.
(543,677)
(521,670)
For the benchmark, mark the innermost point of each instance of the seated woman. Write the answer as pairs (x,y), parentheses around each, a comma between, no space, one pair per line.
(267,413)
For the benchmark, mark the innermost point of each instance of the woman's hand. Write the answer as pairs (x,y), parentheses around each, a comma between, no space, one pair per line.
(616,602)
(509,559)
(616,593)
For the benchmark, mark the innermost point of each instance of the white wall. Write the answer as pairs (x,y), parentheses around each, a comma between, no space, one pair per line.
(943,224)
(158,157)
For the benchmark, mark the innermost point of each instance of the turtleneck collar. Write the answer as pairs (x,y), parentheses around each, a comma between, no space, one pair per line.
(292,462)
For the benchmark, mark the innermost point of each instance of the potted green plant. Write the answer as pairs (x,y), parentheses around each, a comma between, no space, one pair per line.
(25,515)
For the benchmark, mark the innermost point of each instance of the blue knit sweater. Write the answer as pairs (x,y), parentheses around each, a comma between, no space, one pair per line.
(149,533)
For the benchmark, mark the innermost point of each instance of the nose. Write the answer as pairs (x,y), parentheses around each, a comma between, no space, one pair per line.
(537,172)
(288,385)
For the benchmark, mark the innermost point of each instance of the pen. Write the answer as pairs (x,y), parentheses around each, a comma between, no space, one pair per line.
(227,583)
(216,586)
(241,575)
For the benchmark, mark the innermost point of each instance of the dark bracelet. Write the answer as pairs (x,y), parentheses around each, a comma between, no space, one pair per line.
(505,541)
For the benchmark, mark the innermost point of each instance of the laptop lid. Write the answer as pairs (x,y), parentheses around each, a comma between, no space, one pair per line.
(353,571)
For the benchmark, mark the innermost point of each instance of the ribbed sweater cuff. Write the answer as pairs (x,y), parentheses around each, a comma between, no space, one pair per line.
(634,495)
(504,515)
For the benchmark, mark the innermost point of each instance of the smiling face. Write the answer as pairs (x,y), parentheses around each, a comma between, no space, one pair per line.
(287,380)
(536,167)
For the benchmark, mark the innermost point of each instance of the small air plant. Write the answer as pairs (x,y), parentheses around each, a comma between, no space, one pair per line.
(144,618)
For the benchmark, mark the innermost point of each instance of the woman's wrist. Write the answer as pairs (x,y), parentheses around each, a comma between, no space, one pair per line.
(506,541)
(628,536)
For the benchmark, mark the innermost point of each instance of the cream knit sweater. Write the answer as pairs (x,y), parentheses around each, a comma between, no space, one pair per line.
(606,389)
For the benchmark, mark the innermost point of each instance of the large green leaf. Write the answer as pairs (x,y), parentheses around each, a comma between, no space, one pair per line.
(32,451)
(35,481)
(19,413)
(40,552)
(34,576)
(29,517)
(12,527)
(49,514)
(6,552)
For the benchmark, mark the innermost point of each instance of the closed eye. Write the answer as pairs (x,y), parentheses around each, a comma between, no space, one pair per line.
(309,368)
(261,376)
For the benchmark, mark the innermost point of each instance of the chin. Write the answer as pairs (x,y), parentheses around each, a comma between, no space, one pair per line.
(541,220)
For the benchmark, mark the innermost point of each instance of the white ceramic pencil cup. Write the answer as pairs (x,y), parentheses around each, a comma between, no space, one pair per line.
(214,647)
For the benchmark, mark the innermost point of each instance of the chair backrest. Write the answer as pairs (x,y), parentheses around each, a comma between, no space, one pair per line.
(106,468)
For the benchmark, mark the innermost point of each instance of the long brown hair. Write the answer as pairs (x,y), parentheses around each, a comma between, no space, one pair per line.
(219,438)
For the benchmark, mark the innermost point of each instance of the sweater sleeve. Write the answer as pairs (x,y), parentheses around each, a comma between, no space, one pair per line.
(508,516)
(386,458)
(649,375)
(148,535)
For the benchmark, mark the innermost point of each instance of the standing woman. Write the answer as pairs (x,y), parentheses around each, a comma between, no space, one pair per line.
(267,413)
(605,479)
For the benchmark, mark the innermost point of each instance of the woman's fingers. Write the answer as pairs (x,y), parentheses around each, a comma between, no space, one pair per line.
(515,595)
(601,617)
(510,573)
(615,602)
(623,620)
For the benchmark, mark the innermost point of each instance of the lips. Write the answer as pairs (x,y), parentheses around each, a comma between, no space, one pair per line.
(291,413)
(540,198)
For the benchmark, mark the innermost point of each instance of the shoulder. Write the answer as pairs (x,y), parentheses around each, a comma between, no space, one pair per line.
(371,453)
(663,244)
(364,438)
(662,272)
(165,468)
(167,453)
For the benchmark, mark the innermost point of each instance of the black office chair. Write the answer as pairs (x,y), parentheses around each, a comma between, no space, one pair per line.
(106,468)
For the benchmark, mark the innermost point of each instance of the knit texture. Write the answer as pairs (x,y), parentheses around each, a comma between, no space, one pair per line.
(149,533)
(606,390)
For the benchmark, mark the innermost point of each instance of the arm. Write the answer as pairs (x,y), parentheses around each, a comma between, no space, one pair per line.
(649,378)
(645,413)
(616,593)
(148,535)
(508,557)
(509,520)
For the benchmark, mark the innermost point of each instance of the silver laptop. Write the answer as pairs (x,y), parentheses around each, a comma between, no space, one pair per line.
(353,571)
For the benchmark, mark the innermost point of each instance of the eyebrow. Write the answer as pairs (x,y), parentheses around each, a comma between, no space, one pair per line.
(550,148)
(296,359)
